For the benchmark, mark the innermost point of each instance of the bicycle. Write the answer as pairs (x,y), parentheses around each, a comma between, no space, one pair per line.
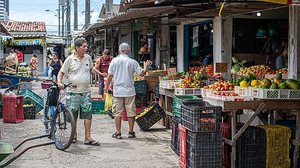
(57,122)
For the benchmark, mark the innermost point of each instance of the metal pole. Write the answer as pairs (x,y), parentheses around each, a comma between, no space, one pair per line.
(87,13)
(63,20)
(68,15)
(59,4)
(75,15)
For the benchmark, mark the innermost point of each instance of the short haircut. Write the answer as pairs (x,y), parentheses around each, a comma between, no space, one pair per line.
(106,52)
(124,47)
(79,42)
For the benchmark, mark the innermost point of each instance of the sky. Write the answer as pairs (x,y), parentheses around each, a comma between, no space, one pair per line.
(34,10)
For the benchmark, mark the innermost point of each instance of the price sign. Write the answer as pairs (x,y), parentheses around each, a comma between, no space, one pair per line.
(221,67)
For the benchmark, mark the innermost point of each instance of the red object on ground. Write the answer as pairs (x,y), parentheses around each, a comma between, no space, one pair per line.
(20,56)
(182,146)
(13,109)
(138,111)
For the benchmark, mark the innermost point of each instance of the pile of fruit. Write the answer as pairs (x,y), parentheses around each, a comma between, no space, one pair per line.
(225,94)
(192,80)
(24,71)
(282,71)
(275,83)
(258,70)
(136,77)
(145,111)
(237,65)
(221,86)
(209,69)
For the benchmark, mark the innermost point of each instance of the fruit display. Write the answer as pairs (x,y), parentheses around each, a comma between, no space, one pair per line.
(24,71)
(225,94)
(258,70)
(237,65)
(209,69)
(282,71)
(145,111)
(192,80)
(221,86)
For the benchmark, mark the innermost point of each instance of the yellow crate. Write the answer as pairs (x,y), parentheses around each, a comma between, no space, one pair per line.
(277,146)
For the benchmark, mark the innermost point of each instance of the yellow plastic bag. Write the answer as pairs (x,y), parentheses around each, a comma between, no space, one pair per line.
(108,102)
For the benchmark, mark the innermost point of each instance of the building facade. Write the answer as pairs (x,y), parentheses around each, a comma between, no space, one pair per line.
(4,9)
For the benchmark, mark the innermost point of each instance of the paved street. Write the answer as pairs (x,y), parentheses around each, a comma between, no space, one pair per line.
(149,149)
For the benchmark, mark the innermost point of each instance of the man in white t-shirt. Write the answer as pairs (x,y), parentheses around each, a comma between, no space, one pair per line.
(78,67)
(122,69)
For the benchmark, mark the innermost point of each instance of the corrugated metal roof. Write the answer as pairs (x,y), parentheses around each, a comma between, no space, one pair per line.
(18,26)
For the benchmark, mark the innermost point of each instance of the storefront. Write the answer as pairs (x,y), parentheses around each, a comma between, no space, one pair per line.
(29,38)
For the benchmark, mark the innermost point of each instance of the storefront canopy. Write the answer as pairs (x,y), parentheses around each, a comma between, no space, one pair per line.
(139,13)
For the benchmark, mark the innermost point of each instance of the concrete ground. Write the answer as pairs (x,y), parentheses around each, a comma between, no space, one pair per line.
(149,149)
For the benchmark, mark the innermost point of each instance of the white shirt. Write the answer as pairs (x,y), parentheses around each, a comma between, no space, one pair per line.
(122,69)
(78,72)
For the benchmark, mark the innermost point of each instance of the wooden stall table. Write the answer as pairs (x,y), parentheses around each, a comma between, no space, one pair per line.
(257,106)
(165,101)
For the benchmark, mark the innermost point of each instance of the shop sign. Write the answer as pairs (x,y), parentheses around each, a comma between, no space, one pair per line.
(276,1)
(27,42)
(221,67)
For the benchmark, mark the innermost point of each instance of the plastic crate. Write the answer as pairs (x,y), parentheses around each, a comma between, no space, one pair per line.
(275,93)
(8,80)
(32,98)
(188,91)
(26,85)
(141,100)
(175,135)
(5,150)
(178,100)
(198,118)
(156,90)
(226,133)
(243,91)
(98,106)
(277,145)
(46,85)
(251,148)
(152,114)
(13,109)
(29,112)
(138,111)
(182,146)
(168,84)
(141,86)
(204,149)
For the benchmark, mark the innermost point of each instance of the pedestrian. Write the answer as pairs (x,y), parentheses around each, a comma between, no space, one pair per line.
(101,68)
(122,69)
(19,55)
(281,60)
(34,65)
(55,65)
(78,67)
(208,60)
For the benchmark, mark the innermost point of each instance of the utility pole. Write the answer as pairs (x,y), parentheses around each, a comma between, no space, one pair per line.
(108,12)
(87,13)
(75,15)
(68,19)
(59,4)
(63,18)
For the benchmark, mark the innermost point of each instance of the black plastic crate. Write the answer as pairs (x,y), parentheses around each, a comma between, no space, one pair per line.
(29,112)
(198,118)
(251,148)
(175,134)
(141,100)
(204,150)
(152,114)
(141,87)
(156,90)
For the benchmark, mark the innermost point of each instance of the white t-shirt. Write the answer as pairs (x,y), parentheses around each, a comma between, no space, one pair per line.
(79,72)
(122,69)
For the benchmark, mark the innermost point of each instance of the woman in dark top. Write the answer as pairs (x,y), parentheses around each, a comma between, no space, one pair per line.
(55,65)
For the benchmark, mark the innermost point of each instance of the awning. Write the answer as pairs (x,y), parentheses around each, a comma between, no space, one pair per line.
(92,28)
(138,14)
(235,9)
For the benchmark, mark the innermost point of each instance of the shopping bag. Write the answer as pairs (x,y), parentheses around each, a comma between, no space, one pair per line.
(108,102)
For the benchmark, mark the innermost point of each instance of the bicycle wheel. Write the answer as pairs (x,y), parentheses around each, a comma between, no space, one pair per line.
(63,127)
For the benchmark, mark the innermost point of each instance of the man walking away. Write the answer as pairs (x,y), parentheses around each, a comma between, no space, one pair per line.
(122,69)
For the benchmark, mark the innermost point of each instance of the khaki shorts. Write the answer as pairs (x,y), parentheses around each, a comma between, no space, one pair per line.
(124,103)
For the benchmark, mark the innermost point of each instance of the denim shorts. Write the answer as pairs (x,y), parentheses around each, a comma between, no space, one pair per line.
(80,103)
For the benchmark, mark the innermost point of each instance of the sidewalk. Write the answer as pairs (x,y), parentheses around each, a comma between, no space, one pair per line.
(149,149)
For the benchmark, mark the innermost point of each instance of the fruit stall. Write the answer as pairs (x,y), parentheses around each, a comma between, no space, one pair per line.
(201,107)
